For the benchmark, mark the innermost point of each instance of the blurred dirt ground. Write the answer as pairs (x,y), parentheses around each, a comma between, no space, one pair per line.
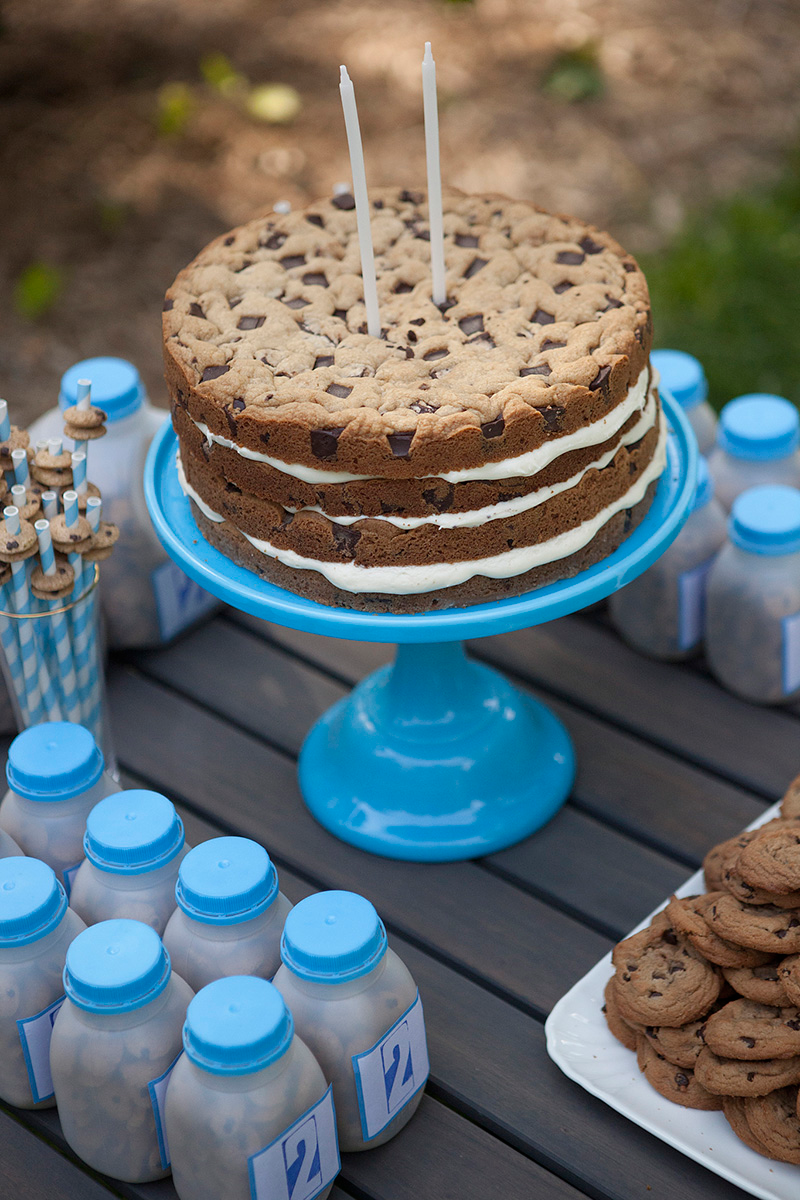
(683,101)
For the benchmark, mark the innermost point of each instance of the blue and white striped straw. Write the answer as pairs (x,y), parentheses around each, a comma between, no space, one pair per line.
(79,472)
(80,631)
(5,423)
(19,457)
(27,643)
(83,401)
(10,641)
(50,505)
(94,507)
(60,629)
(55,446)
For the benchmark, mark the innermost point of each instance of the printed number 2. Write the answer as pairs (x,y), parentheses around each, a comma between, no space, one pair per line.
(398,1069)
(302,1162)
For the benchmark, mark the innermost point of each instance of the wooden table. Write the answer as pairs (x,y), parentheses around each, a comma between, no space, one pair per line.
(668,764)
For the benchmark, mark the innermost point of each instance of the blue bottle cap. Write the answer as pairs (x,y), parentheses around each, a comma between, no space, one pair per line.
(132,832)
(53,761)
(682,375)
(333,937)
(226,880)
(116,386)
(704,488)
(116,966)
(32,901)
(237,1025)
(759,427)
(766,520)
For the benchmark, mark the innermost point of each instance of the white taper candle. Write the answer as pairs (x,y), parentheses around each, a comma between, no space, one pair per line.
(362,202)
(431,110)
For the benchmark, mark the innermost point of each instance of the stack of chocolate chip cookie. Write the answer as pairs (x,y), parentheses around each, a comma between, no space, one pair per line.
(709,994)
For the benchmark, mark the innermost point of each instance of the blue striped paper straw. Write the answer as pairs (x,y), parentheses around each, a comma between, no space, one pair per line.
(79,471)
(19,457)
(60,629)
(5,423)
(94,507)
(79,615)
(27,644)
(83,400)
(55,446)
(10,643)
(50,505)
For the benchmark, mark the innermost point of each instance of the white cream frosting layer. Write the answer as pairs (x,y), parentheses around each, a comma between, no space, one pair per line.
(504,509)
(410,580)
(522,465)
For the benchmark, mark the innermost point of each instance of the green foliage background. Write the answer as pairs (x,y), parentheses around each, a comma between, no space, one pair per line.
(728,291)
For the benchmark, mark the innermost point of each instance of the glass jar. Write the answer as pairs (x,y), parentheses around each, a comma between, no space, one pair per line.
(357,1007)
(662,613)
(249,1114)
(36,927)
(114,1044)
(56,776)
(683,377)
(757,445)
(753,614)
(134,845)
(230,913)
(146,599)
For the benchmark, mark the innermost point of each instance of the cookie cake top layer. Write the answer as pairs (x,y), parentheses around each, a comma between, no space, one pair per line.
(546,328)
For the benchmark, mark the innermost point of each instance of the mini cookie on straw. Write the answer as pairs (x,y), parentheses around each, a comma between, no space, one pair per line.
(17,538)
(84,423)
(104,535)
(28,502)
(53,466)
(71,537)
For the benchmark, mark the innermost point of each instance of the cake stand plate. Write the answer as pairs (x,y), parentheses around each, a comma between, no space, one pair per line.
(435,757)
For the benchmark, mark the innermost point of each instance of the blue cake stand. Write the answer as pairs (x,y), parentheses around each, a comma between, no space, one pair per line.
(435,757)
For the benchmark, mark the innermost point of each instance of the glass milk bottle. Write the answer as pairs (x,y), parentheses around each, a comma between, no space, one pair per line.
(35,929)
(146,599)
(757,444)
(662,613)
(355,1004)
(56,776)
(753,614)
(114,1044)
(230,913)
(249,1113)
(684,378)
(134,845)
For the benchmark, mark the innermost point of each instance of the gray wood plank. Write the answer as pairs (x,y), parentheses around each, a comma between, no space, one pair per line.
(681,710)
(482,923)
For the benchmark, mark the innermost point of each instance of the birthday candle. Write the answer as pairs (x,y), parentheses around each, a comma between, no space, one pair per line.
(362,202)
(434,175)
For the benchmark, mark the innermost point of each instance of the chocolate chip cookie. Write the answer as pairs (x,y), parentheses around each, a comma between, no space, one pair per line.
(732,1077)
(759,926)
(678,1084)
(762,984)
(688,918)
(744,1029)
(662,979)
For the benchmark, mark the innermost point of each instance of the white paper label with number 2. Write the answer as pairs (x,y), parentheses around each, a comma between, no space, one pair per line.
(300,1163)
(393,1071)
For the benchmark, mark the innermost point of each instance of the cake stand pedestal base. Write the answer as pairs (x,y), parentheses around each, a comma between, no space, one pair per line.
(435,757)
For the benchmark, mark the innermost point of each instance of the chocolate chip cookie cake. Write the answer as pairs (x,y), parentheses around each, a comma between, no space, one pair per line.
(509,438)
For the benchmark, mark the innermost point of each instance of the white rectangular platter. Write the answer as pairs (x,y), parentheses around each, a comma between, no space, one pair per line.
(579,1042)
